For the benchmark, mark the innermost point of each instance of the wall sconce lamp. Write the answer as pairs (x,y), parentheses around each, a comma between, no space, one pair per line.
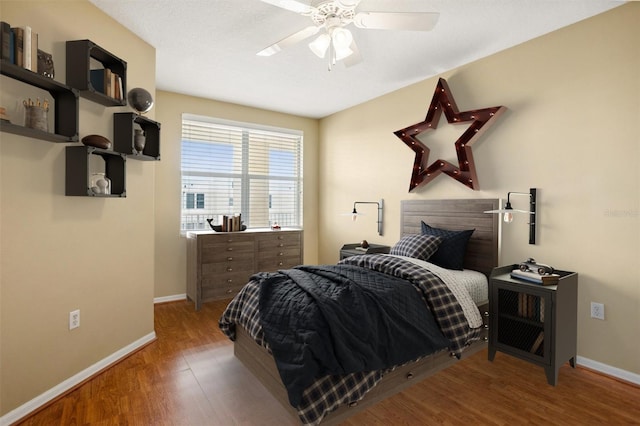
(380,204)
(508,212)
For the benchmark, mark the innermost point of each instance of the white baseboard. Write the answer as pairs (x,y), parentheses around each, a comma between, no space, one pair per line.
(627,376)
(165,299)
(63,387)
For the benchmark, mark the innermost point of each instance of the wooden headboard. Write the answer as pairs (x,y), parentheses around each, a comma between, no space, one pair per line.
(482,251)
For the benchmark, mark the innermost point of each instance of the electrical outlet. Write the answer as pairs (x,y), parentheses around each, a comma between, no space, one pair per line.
(597,310)
(74,319)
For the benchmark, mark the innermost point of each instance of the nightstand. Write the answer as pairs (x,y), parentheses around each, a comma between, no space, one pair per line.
(355,249)
(534,322)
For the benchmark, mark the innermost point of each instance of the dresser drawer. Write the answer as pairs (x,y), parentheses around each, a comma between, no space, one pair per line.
(222,252)
(226,280)
(270,265)
(278,239)
(231,264)
(217,293)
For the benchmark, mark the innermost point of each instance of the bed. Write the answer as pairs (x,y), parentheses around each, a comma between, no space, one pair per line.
(350,393)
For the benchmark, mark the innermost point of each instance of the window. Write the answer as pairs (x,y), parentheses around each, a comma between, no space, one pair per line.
(194,201)
(239,168)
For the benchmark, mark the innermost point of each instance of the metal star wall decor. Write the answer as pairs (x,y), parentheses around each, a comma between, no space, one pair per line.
(465,173)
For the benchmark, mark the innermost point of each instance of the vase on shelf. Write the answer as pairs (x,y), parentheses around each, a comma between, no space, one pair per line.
(100,183)
(139,140)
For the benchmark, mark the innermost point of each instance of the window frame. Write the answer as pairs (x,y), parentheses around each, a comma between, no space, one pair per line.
(245,177)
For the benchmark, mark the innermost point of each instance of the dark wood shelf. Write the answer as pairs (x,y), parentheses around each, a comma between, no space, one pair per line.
(78,171)
(65,106)
(124,124)
(79,55)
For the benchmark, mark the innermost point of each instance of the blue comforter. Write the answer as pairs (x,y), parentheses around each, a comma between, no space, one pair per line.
(341,319)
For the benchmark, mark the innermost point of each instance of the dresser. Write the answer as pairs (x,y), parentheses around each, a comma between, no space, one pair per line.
(219,264)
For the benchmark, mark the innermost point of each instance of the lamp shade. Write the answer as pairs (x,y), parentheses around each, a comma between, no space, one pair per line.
(320,45)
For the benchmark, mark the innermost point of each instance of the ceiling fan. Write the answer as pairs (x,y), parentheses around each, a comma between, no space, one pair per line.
(331,17)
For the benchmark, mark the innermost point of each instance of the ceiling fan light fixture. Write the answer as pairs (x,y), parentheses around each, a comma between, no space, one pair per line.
(320,45)
(342,38)
(343,53)
(346,4)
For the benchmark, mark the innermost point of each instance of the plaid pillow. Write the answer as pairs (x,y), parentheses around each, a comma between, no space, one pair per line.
(417,246)
(450,254)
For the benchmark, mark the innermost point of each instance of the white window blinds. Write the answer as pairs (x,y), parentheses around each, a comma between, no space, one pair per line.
(233,168)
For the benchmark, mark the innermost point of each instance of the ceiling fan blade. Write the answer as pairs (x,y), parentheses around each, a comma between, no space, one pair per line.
(353,59)
(292,5)
(416,21)
(288,41)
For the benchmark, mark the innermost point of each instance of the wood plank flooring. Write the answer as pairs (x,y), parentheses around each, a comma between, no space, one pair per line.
(189,376)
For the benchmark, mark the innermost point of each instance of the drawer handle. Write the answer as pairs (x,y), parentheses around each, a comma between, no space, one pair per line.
(229,240)
(229,291)
(486,326)
(280,263)
(230,249)
(229,258)
(281,254)
(280,237)
(280,245)
(486,314)
(485,338)
(229,281)
(409,376)
(229,269)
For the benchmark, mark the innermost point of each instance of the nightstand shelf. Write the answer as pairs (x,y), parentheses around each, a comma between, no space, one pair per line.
(534,322)
(355,249)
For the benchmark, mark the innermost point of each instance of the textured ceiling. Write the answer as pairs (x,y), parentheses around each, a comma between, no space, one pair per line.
(208,48)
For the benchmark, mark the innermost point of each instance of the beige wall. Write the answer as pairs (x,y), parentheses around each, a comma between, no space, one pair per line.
(571,130)
(63,253)
(170,265)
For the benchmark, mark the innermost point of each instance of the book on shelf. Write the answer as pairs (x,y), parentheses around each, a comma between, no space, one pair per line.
(34,51)
(5,40)
(18,39)
(537,343)
(531,307)
(534,277)
(96,78)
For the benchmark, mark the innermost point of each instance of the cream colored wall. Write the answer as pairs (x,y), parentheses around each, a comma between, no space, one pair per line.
(571,130)
(170,264)
(64,253)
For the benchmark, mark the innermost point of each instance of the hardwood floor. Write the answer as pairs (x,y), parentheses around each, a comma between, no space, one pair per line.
(189,376)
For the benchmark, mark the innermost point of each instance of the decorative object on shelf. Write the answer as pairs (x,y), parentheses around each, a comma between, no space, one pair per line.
(364,244)
(3,115)
(97,141)
(139,140)
(354,214)
(45,64)
(230,227)
(443,101)
(533,209)
(35,114)
(100,184)
(140,100)
(275,227)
